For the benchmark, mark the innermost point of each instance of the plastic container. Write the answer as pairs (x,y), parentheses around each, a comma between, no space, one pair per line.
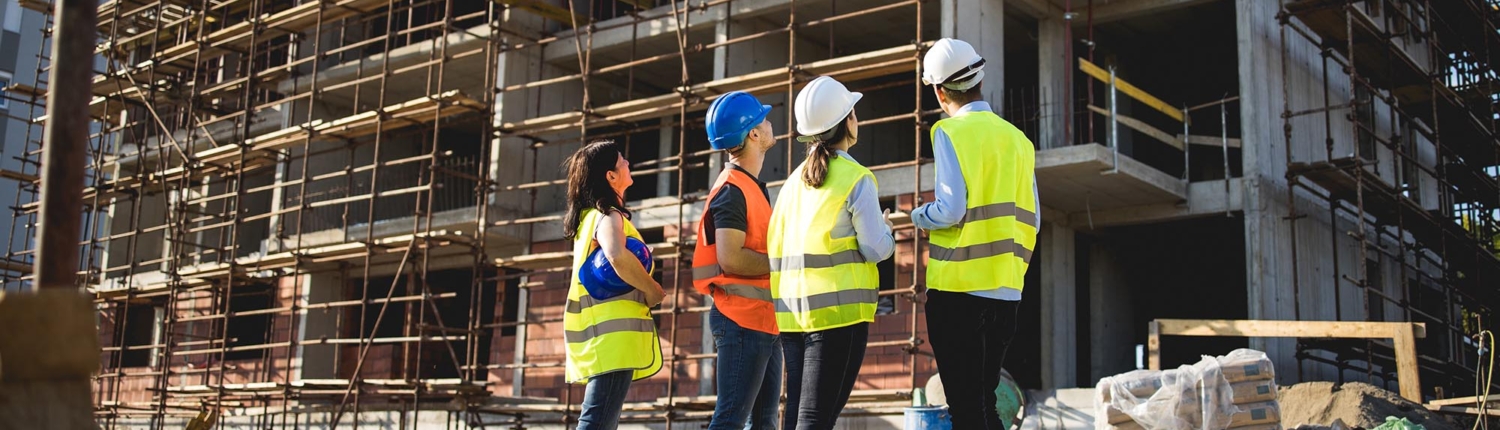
(928,418)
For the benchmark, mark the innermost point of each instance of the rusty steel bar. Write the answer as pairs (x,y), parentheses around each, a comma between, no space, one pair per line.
(64,151)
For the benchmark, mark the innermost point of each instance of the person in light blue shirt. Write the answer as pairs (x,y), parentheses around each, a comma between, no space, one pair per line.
(952,200)
(971,313)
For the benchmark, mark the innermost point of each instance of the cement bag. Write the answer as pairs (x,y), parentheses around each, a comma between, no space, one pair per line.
(1189,398)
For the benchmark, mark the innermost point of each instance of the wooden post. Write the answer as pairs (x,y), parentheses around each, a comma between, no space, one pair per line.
(1153,346)
(1408,374)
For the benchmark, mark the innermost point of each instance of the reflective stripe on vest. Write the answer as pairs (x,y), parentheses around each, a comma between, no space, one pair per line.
(991,246)
(606,335)
(746,300)
(819,282)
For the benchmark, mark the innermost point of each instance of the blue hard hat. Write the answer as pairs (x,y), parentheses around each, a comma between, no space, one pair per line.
(599,277)
(731,117)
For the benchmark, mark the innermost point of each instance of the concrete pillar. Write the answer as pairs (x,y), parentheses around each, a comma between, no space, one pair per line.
(666,144)
(1059,306)
(512,161)
(982,24)
(1111,314)
(1267,265)
(1054,76)
(317,361)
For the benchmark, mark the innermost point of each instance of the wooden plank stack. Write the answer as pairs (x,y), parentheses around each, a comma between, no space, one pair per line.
(1235,391)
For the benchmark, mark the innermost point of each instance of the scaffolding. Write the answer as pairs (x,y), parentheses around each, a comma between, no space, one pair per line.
(246,152)
(1405,114)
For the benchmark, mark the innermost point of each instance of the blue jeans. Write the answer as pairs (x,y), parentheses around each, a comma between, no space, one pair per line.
(603,399)
(749,376)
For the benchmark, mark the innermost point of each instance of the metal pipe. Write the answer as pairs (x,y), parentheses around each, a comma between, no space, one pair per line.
(1114,124)
(1223,140)
(64,151)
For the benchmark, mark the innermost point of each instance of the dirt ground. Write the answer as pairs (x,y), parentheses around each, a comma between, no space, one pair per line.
(1359,405)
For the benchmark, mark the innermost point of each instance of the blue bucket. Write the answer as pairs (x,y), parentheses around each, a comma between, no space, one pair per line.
(928,418)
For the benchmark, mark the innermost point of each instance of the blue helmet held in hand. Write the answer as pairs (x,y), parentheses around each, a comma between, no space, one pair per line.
(731,117)
(599,277)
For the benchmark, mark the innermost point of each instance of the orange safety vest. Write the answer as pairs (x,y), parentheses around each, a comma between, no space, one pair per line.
(745,300)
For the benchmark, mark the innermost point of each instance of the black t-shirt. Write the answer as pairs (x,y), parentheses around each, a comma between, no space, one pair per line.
(727,209)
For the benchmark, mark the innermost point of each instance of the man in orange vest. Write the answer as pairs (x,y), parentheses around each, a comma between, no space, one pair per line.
(730,264)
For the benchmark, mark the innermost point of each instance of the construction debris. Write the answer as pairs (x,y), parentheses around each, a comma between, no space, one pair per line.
(1232,391)
(1356,404)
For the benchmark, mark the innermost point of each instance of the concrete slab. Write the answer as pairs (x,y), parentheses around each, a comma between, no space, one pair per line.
(1084,177)
(1065,409)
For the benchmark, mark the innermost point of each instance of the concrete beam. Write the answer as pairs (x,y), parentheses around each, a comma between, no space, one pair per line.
(1206,198)
(619,33)
(1035,9)
(1127,9)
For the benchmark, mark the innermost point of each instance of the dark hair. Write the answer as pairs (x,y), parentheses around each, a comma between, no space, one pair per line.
(962,97)
(820,152)
(588,187)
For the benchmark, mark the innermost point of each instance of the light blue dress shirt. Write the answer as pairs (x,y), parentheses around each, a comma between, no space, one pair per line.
(953,197)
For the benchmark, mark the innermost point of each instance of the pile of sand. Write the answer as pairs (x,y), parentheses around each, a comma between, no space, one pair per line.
(1358,404)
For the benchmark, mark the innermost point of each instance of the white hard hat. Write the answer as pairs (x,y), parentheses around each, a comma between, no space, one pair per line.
(822,105)
(953,64)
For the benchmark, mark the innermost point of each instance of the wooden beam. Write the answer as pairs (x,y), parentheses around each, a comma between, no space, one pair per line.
(1462,401)
(1301,329)
(1464,410)
(1142,127)
(1130,90)
(1214,141)
(548,11)
(1403,337)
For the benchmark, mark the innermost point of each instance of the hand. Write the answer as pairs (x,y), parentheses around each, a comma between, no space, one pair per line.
(655,295)
(885,215)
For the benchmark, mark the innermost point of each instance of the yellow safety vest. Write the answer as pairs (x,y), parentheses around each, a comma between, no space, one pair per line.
(607,335)
(817,281)
(992,245)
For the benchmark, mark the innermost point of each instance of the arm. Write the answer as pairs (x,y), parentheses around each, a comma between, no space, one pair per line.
(951,192)
(611,236)
(876,242)
(735,258)
(1036,197)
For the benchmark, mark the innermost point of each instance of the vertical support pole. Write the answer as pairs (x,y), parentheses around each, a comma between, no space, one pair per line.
(1187,142)
(1114,125)
(66,140)
(1224,142)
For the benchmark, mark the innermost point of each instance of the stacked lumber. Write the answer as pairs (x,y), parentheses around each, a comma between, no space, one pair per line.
(1235,391)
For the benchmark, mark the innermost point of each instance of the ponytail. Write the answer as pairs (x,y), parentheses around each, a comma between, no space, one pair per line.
(820,152)
(815,170)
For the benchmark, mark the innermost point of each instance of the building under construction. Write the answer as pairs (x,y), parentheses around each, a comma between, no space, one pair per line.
(307,214)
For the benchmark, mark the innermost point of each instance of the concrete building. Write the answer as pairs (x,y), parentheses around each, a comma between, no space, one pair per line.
(20,48)
(349,210)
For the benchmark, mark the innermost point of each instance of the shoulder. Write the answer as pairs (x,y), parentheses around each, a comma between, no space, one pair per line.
(727,195)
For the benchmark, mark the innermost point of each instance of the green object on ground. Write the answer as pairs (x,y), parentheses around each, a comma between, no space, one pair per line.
(1393,423)
(1008,401)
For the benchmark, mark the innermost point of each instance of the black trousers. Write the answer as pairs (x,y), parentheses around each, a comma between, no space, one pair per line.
(821,367)
(969,336)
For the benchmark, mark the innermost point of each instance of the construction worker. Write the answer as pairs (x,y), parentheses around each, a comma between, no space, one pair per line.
(610,342)
(827,234)
(730,265)
(983,226)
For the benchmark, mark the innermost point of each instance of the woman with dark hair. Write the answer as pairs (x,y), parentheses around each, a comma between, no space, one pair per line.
(611,342)
(827,233)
